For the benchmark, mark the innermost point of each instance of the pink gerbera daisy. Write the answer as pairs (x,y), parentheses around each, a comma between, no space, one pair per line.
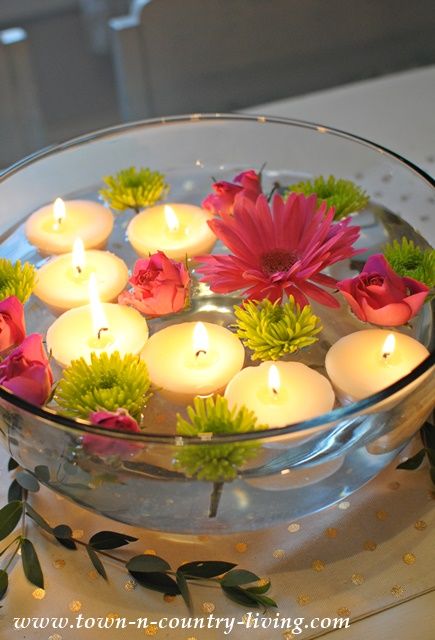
(279,251)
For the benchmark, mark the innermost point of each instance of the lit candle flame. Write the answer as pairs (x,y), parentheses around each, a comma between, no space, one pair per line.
(200,339)
(99,320)
(274,379)
(389,346)
(78,255)
(172,221)
(59,213)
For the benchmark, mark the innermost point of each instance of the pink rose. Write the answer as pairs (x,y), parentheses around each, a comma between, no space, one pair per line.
(12,325)
(26,371)
(246,185)
(160,286)
(380,296)
(119,420)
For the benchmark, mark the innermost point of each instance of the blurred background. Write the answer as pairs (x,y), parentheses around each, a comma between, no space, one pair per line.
(71,66)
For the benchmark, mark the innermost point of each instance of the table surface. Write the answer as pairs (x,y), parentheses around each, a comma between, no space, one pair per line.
(396,111)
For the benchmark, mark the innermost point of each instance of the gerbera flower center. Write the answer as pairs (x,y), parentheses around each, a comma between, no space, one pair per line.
(278,260)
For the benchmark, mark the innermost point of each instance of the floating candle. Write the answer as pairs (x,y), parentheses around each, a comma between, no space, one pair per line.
(63,282)
(53,228)
(193,358)
(179,230)
(98,327)
(281,393)
(365,362)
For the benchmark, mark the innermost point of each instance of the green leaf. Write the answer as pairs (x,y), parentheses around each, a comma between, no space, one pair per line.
(264,588)
(156,581)
(206,569)
(15,491)
(241,596)
(237,577)
(38,519)
(12,464)
(9,517)
(147,563)
(266,601)
(96,562)
(31,566)
(27,481)
(3,583)
(63,534)
(110,540)
(413,463)
(42,472)
(184,589)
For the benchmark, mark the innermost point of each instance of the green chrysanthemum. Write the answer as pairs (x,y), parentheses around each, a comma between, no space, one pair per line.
(408,260)
(108,382)
(220,462)
(344,195)
(134,189)
(271,330)
(16,279)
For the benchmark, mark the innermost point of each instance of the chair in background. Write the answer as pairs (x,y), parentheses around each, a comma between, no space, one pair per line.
(21,129)
(180,56)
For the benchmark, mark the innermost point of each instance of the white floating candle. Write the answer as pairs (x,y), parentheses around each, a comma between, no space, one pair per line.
(53,228)
(97,327)
(179,230)
(281,393)
(63,282)
(365,362)
(193,358)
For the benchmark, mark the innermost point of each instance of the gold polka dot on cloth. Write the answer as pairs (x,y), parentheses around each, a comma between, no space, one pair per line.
(168,598)
(130,585)
(344,505)
(152,630)
(75,606)
(208,607)
(409,558)
(381,514)
(38,594)
(279,554)
(92,575)
(150,552)
(318,565)
(420,525)
(241,547)
(55,636)
(78,534)
(343,612)
(288,635)
(397,591)
(112,616)
(357,579)
(59,563)
(370,545)
(303,599)
(331,532)
(293,527)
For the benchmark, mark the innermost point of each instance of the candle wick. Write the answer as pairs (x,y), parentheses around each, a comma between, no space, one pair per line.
(200,351)
(274,391)
(386,355)
(79,269)
(100,332)
(59,221)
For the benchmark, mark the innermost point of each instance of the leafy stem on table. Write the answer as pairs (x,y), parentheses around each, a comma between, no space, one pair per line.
(150,571)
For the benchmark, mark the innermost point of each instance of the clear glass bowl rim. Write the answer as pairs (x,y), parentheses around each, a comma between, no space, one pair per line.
(82,426)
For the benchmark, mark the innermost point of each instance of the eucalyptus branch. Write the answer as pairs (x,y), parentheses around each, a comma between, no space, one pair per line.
(148,570)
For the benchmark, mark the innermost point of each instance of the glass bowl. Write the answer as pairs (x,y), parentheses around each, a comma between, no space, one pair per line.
(297,469)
